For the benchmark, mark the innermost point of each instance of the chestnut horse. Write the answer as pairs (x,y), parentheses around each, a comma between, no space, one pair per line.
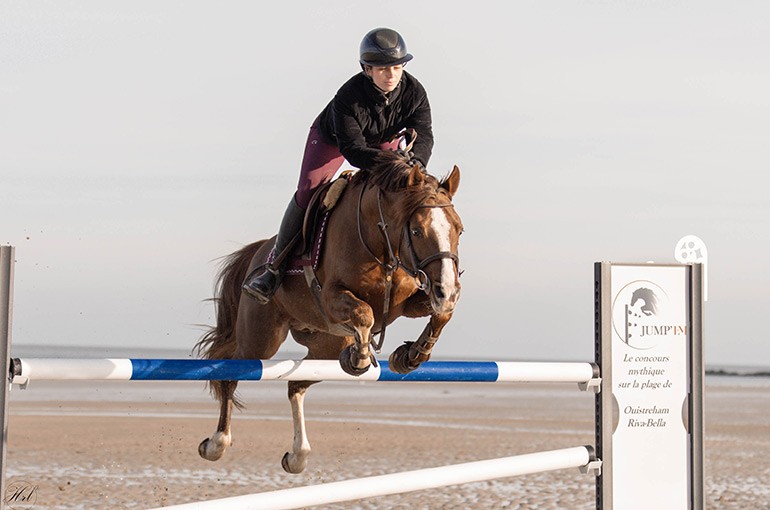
(394,227)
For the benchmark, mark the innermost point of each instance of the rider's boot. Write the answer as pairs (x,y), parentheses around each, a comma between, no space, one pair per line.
(262,286)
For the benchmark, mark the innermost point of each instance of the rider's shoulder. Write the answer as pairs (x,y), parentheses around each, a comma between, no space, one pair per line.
(411,82)
(355,85)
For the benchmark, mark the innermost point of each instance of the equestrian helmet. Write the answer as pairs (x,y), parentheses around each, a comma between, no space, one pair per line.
(383,47)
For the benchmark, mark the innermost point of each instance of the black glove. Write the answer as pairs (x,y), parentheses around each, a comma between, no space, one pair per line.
(410,159)
(407,155)
(416,162)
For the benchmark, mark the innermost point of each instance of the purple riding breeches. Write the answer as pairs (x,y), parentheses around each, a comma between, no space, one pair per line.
(319,164)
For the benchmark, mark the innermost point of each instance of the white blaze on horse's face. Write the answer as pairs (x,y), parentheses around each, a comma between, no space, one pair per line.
(446,290)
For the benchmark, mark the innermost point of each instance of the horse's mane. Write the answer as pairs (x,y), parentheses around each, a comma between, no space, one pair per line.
(390,172)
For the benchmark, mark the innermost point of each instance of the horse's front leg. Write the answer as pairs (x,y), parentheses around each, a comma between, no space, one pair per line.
(410,355)
(343,307)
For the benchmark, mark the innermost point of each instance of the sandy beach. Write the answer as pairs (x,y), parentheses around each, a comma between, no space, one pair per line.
(134,445)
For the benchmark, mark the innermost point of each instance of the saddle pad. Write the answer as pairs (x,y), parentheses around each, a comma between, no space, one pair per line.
(296,262)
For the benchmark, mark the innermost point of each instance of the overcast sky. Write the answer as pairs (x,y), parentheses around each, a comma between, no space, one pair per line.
(142,140)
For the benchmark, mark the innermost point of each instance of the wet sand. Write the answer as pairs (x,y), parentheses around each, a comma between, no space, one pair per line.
(134,445)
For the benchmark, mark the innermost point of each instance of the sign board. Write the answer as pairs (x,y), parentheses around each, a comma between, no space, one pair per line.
(649,349)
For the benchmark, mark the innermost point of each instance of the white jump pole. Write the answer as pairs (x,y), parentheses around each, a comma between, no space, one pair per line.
(398,483)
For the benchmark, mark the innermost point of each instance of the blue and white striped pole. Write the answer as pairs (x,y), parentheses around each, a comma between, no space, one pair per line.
(24,370)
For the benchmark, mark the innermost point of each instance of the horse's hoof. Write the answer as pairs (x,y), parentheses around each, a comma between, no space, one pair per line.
(346,362)
(399,362)
(214,447)
(294,470)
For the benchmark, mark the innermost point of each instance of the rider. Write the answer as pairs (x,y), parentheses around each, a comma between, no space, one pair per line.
(364,117)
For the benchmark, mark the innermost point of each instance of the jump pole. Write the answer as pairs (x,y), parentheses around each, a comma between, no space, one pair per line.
(24,370)
(398,483)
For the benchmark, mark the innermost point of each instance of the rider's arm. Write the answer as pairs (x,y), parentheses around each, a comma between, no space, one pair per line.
(350,137)
(421,122)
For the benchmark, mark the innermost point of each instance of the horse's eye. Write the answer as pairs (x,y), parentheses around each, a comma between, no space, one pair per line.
(416,232)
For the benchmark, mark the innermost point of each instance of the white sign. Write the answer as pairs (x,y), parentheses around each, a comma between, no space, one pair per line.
(649,382)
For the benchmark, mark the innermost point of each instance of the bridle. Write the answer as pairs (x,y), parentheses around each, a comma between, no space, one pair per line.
(417,273)
(394,262)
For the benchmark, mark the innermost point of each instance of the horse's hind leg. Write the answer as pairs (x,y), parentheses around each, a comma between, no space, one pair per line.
(214,447)
(296,461)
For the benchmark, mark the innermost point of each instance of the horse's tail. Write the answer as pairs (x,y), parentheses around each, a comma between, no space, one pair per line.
(219,341)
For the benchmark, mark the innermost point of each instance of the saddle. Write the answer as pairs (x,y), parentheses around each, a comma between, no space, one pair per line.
(307,249)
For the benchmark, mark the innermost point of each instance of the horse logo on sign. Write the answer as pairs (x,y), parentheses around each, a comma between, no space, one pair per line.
(638,315)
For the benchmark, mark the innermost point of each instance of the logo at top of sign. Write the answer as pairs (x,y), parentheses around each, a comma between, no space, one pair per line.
(691,249)
(639,315)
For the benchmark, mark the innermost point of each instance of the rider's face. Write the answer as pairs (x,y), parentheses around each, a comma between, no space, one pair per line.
(386,78)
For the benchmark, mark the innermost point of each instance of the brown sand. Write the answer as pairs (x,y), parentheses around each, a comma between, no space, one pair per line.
(121,446)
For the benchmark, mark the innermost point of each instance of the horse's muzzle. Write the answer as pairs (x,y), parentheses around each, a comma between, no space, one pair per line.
(443,298)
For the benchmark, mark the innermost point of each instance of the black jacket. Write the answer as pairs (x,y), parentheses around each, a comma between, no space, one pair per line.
(361,117)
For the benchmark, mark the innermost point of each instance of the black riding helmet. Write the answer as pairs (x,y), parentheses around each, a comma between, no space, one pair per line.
(383,47)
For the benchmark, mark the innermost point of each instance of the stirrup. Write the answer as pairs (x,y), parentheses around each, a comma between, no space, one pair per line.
(261,296)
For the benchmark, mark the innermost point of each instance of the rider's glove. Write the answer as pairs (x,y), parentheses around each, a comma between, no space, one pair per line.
(407,155)
(416,162)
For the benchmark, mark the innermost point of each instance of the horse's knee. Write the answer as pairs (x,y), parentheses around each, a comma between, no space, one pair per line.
(362,318)
(342,306)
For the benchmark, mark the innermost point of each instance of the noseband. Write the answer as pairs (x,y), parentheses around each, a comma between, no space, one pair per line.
(395,262)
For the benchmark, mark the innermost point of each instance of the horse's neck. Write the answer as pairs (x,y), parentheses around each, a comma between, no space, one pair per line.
(363,217)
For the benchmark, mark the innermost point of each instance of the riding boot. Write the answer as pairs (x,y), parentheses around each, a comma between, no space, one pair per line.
(262,286)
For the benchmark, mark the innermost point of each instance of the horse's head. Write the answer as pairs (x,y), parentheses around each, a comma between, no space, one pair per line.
(431,236)
(418,209)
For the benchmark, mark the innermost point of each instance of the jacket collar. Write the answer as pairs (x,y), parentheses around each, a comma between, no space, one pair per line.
(379,97)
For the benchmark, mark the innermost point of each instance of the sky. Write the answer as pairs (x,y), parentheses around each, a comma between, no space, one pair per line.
(141,141)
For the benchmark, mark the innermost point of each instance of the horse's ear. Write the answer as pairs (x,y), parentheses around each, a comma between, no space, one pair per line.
(415,176)
(452,182)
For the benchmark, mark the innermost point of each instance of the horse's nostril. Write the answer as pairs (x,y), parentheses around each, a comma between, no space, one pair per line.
(439,290)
